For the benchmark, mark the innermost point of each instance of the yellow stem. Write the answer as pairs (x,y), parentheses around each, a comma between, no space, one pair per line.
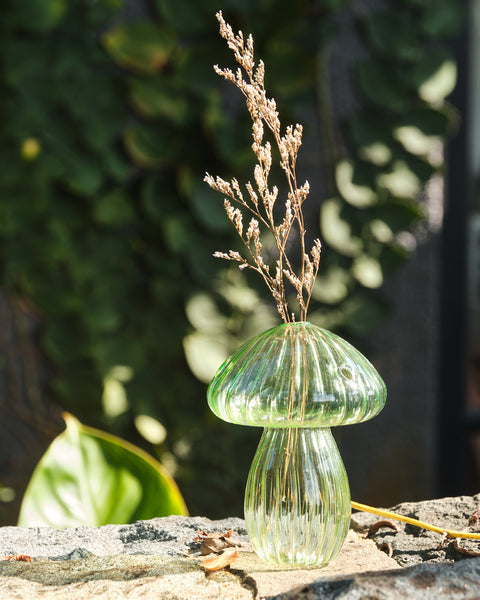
(385,513)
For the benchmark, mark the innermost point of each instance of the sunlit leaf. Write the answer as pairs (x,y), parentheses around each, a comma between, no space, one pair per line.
(152,146)
(114,398)
(372,137)
(415,141)
(150,428)
(203,313)
(205,353)
(381,231)
(368,271)
(89,477)
(355,184)
(435,76)
(400,180)
(142,46)
(158,98)
(336,231)
(440,84)
(331,287)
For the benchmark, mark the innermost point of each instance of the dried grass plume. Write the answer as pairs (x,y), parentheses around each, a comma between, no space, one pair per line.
(257,201)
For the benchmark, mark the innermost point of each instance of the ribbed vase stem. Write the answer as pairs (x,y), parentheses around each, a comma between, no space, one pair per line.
(297,500)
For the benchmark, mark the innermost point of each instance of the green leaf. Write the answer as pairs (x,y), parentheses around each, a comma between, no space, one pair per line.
(372,138)
(39,15)
(430,121)
(82,174)
(368,271)
(331,286)
(420,131)
(290,69)
(89,477)
(194,65)
(400,180)
(203,313)
(205,353)
(381,86)
(113,208)
(154,193)
(363,312)
(208,207)
(399,214)
(142,46)
(392,257)
(158,98)
(231,137)
(337,230)
(185,16)
(443,17)
(434,76)
(355,182)
(392,34)
(153,146)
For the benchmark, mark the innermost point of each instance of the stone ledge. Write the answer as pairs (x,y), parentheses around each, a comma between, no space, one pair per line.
(160,559)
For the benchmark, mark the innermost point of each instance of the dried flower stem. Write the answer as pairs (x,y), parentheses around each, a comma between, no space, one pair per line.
(260,202)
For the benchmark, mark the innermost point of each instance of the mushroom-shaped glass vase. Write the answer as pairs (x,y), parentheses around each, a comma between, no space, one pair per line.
(296,381)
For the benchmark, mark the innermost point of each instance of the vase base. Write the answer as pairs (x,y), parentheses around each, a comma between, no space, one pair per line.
(296,562)
(302,559)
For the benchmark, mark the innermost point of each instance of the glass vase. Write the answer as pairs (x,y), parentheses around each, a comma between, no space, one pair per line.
(296,381)
(297,500)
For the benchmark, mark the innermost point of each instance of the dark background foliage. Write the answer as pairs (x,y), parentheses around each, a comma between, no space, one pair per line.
(111,113)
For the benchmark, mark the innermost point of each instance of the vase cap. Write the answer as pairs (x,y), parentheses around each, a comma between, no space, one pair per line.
(296,375)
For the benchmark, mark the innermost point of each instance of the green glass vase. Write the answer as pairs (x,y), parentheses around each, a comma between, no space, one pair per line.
(296,381)
(297,500)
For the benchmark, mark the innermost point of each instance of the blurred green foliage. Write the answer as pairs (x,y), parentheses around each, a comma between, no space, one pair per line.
(108,125)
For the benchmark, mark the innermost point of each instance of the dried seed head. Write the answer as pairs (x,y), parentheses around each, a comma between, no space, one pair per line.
(249,79)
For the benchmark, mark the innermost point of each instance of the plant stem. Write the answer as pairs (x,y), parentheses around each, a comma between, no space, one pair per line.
(327,123)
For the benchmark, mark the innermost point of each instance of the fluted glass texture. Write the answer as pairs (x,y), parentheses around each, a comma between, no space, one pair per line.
(297,500)
(296,375)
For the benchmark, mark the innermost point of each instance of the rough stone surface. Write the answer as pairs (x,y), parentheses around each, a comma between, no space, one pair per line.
(412,545)
(166,536)
(460,581)
(160,559)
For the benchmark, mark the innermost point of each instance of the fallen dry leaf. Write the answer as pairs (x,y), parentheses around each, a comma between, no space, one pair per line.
(379,525)
(465,551)
(203,535)
(220,562)
(443,541)
(387,548)
(216,545)
(473,520)
(215,542)
(19,557)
